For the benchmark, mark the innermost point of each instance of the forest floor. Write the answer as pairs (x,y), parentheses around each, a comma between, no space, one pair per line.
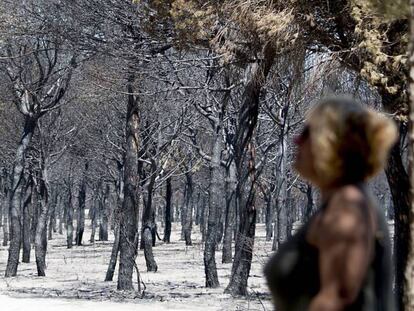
(74,279)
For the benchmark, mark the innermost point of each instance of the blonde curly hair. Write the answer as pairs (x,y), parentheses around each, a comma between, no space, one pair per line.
(350,142)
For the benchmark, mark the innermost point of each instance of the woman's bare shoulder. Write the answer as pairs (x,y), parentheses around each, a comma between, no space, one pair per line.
(344,216)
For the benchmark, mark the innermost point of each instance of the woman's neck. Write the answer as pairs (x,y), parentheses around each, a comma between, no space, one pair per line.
(328,191)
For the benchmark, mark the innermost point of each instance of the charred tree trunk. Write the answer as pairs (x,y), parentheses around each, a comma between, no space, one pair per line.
(61,214)
(231,182)
(115,247)
(80,228)
(69,217)
(92,215)
(129,212)
(103,215)
(41,228)
(52,216)
(269,216)
(282,220)
(148,223)
(6,204)
(220,225)
(309,204)
(15,196)
(399,183)
(197,210)
(147,238)
(114,256)
(203,217)
(52,220)
(188,211)
(400,189)
(176,212)
(291,212)
(182,212)
(3,183)
(35,214)
(275,225)
(168,197)
(54,213)
(95,212)
(246,194)
(215,203)
(6,219)
(41,241)
(245,163)
(27,203)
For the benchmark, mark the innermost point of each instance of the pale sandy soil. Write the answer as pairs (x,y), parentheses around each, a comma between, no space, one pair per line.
(75,277)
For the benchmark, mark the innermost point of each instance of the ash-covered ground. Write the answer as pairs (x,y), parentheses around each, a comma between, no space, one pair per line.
(74,279)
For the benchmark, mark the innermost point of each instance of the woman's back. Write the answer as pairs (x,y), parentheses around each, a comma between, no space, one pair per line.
(293,273)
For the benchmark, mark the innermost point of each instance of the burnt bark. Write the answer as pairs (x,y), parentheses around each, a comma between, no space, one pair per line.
(177,213)
(269,218)
(61,215)
(52,221)
(80,228)
(290,212)
(181,211)
(15,196)
(398,181)
(246,194)
(93,216)
(35,214)
(6,204)
(69,217)
(269,212)
(114,256)
(215,203)
(187,214)
(220,225)
(276,229)
(41,228)
(27,203)
(115,247)
(129,211)
(245,164)
(231,182)
(203,217)
(148,223)
(168,197)
(147,238)
(6,220)
(52,215)
(309,202)
(283,217)
(103,215)
(197,210)
(3,182)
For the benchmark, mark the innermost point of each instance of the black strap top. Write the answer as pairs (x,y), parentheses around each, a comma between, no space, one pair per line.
(293,272)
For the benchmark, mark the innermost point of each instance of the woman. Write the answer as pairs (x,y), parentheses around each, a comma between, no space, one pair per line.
(340,259)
